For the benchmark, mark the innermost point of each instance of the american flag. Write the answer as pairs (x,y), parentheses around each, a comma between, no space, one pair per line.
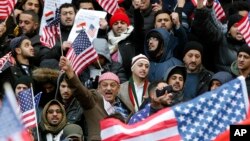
(82,53)
(109,5)
(6,61)
(51,31)
(200,119)
(6,7)
(27,108)
(37,98)
(244,28)
(219,12)
(11,128)
(92,31)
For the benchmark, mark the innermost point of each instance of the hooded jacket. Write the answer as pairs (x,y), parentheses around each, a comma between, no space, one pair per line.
(221,76)
(160,66)
(178,96)
(45,127)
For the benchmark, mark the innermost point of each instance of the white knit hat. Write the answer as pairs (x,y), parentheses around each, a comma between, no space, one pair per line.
(138,58)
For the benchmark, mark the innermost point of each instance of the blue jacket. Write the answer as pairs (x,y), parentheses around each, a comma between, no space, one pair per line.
(159,67)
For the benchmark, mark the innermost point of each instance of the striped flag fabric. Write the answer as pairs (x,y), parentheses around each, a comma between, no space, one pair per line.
(11,128)
(51,31)
(109,5)
(6,61)
(82,53)
(26,101)
(200,119)
(219,12)
(92,31)
(6,8)
(244,27)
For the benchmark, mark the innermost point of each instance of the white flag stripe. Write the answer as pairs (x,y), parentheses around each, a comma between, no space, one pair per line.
(159,135)
(120,129)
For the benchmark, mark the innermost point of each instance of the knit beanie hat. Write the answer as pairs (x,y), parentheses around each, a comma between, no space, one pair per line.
(72,130)
(244,48)
(193,45)
(138,58)
(119,15)
(109,76)
(26,80)
(16,42)
(232,20)
(178,70)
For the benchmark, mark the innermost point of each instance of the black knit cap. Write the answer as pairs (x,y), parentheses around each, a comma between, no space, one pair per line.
(232,20)
(181,70)
(193,45)
(26,80)
(244,48)
(16,42)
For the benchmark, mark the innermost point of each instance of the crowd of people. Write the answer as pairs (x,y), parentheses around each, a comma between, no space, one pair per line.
(151,55)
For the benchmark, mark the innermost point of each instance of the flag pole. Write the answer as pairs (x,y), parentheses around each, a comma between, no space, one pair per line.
(60,36)
(33,102)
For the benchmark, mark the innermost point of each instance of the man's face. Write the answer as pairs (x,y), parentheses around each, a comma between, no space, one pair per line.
(215,84)
(144,4)
(243,61)
(153,43)
(86,6)
(166,99)
(65,91)
(176,81)
(140,69)
(32,5)
(54,115)
(163,21)
(192,61)
(119,27)
(27,24)
(20,87)
(26,50)
(235,33)
(109,89)
(67,16)
(48,88)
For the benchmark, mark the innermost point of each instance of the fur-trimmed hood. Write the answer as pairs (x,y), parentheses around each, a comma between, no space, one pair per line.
(44,75)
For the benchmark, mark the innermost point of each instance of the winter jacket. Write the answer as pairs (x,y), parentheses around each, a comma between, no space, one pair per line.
(159,67)
(221,46)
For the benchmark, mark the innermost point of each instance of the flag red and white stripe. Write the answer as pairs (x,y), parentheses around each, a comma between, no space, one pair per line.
(202,118)
(5,59)
(6,8)
(162,126)
(82,53)
(244,27)
(219,12)
(49,36)
(109,5)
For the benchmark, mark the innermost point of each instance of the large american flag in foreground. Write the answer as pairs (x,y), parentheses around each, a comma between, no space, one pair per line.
(51,31)
(27,108)
(6,7)
(11,128)
(109,5)
(244,28)
(201,119)
(82,53)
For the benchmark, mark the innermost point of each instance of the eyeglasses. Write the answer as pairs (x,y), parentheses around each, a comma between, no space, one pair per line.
(51,111)
(73,139)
